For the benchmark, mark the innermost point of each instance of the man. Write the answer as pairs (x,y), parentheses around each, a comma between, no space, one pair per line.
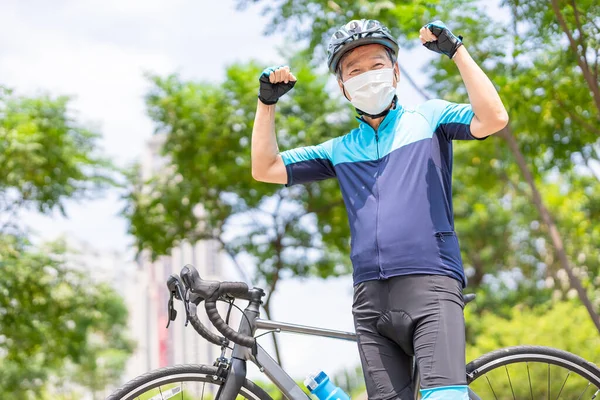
(395,174)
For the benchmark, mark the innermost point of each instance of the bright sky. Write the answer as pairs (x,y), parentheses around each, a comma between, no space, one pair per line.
(97,52)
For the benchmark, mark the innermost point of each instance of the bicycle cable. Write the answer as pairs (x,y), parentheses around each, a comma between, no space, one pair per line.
(267,332)
(231,303)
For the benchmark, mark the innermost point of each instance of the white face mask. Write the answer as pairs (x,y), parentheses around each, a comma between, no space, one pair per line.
(372,91)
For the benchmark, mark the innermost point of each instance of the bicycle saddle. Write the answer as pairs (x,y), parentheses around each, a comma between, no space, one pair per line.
(467,298)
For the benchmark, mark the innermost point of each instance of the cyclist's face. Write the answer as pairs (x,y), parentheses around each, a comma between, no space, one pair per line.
(366,58)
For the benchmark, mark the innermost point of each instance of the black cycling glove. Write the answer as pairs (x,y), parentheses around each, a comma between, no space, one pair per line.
(269,92)
(446,42)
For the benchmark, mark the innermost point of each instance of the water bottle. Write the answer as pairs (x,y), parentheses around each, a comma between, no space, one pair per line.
(320,385)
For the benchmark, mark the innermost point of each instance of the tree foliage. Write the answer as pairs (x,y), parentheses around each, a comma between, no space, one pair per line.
(52,316)
(45,155)
(56,325)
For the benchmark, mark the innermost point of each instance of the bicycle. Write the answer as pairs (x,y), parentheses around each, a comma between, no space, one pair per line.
(227,377)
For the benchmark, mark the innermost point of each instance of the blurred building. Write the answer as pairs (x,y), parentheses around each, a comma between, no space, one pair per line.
(147,298)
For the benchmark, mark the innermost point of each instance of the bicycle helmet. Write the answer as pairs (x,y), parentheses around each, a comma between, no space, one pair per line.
(357,33)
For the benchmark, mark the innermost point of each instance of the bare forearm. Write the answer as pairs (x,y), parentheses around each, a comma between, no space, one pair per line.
(264,150)
(487,106)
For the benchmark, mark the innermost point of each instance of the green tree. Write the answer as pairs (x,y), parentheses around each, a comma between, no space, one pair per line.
(52,318)
(206,190)
(46,157)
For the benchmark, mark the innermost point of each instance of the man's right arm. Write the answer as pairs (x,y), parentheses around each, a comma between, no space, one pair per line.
(267,164)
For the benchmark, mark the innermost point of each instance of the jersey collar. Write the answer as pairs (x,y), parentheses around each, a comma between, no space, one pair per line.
(394,112)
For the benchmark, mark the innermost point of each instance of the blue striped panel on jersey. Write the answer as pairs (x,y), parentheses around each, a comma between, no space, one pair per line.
(451,119)
(322,151)
(439,112)
(397,131)
(359,145)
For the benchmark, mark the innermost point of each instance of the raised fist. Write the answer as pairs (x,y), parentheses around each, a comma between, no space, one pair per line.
(437,37)
(274,83)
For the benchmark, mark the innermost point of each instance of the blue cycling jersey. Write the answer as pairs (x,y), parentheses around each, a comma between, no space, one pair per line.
(397,187)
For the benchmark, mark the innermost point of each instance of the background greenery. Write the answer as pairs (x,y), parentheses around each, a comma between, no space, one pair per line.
(58,328)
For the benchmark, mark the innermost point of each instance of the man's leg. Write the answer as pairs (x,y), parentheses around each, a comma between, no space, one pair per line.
(387,369)
(439,342)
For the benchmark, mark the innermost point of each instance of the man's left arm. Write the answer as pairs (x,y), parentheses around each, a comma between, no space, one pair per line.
(490,114)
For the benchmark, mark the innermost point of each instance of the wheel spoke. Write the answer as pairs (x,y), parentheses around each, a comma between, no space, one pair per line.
(567,376)
(489,383)
(181,389)
(529,377)
(563,385)
(584,390)
(161,394)
(510,383)
(202,396)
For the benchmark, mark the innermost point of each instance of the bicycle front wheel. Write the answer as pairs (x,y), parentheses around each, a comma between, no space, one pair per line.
(187,382)
(533,372)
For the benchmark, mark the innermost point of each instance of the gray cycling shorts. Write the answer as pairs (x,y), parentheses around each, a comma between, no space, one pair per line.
(397,318)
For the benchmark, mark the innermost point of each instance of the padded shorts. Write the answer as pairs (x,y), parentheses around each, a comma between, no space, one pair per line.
(396,318)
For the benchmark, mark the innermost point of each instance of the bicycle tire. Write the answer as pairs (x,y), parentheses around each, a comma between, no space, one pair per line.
(181,373)
(533,354)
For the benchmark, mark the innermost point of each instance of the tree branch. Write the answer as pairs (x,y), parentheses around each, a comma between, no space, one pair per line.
(267,305)
(278,267)
(233,257)
(596,64)
(476,280)
(594,171)
(579,28)
(10,212)
(296,217)
(550,224)
(577,117)
(581,60)
(565,28)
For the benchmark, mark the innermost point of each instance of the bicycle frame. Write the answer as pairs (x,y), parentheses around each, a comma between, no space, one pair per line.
(270,367)
(266,364)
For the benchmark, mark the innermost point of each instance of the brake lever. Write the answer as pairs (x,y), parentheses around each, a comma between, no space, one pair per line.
(186,303)
(177,292)
(171,310)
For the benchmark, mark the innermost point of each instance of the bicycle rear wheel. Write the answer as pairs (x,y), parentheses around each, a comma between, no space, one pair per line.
(533,372)
(187,382)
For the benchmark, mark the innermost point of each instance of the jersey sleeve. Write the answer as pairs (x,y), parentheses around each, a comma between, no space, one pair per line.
(309,164)
(452,120)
